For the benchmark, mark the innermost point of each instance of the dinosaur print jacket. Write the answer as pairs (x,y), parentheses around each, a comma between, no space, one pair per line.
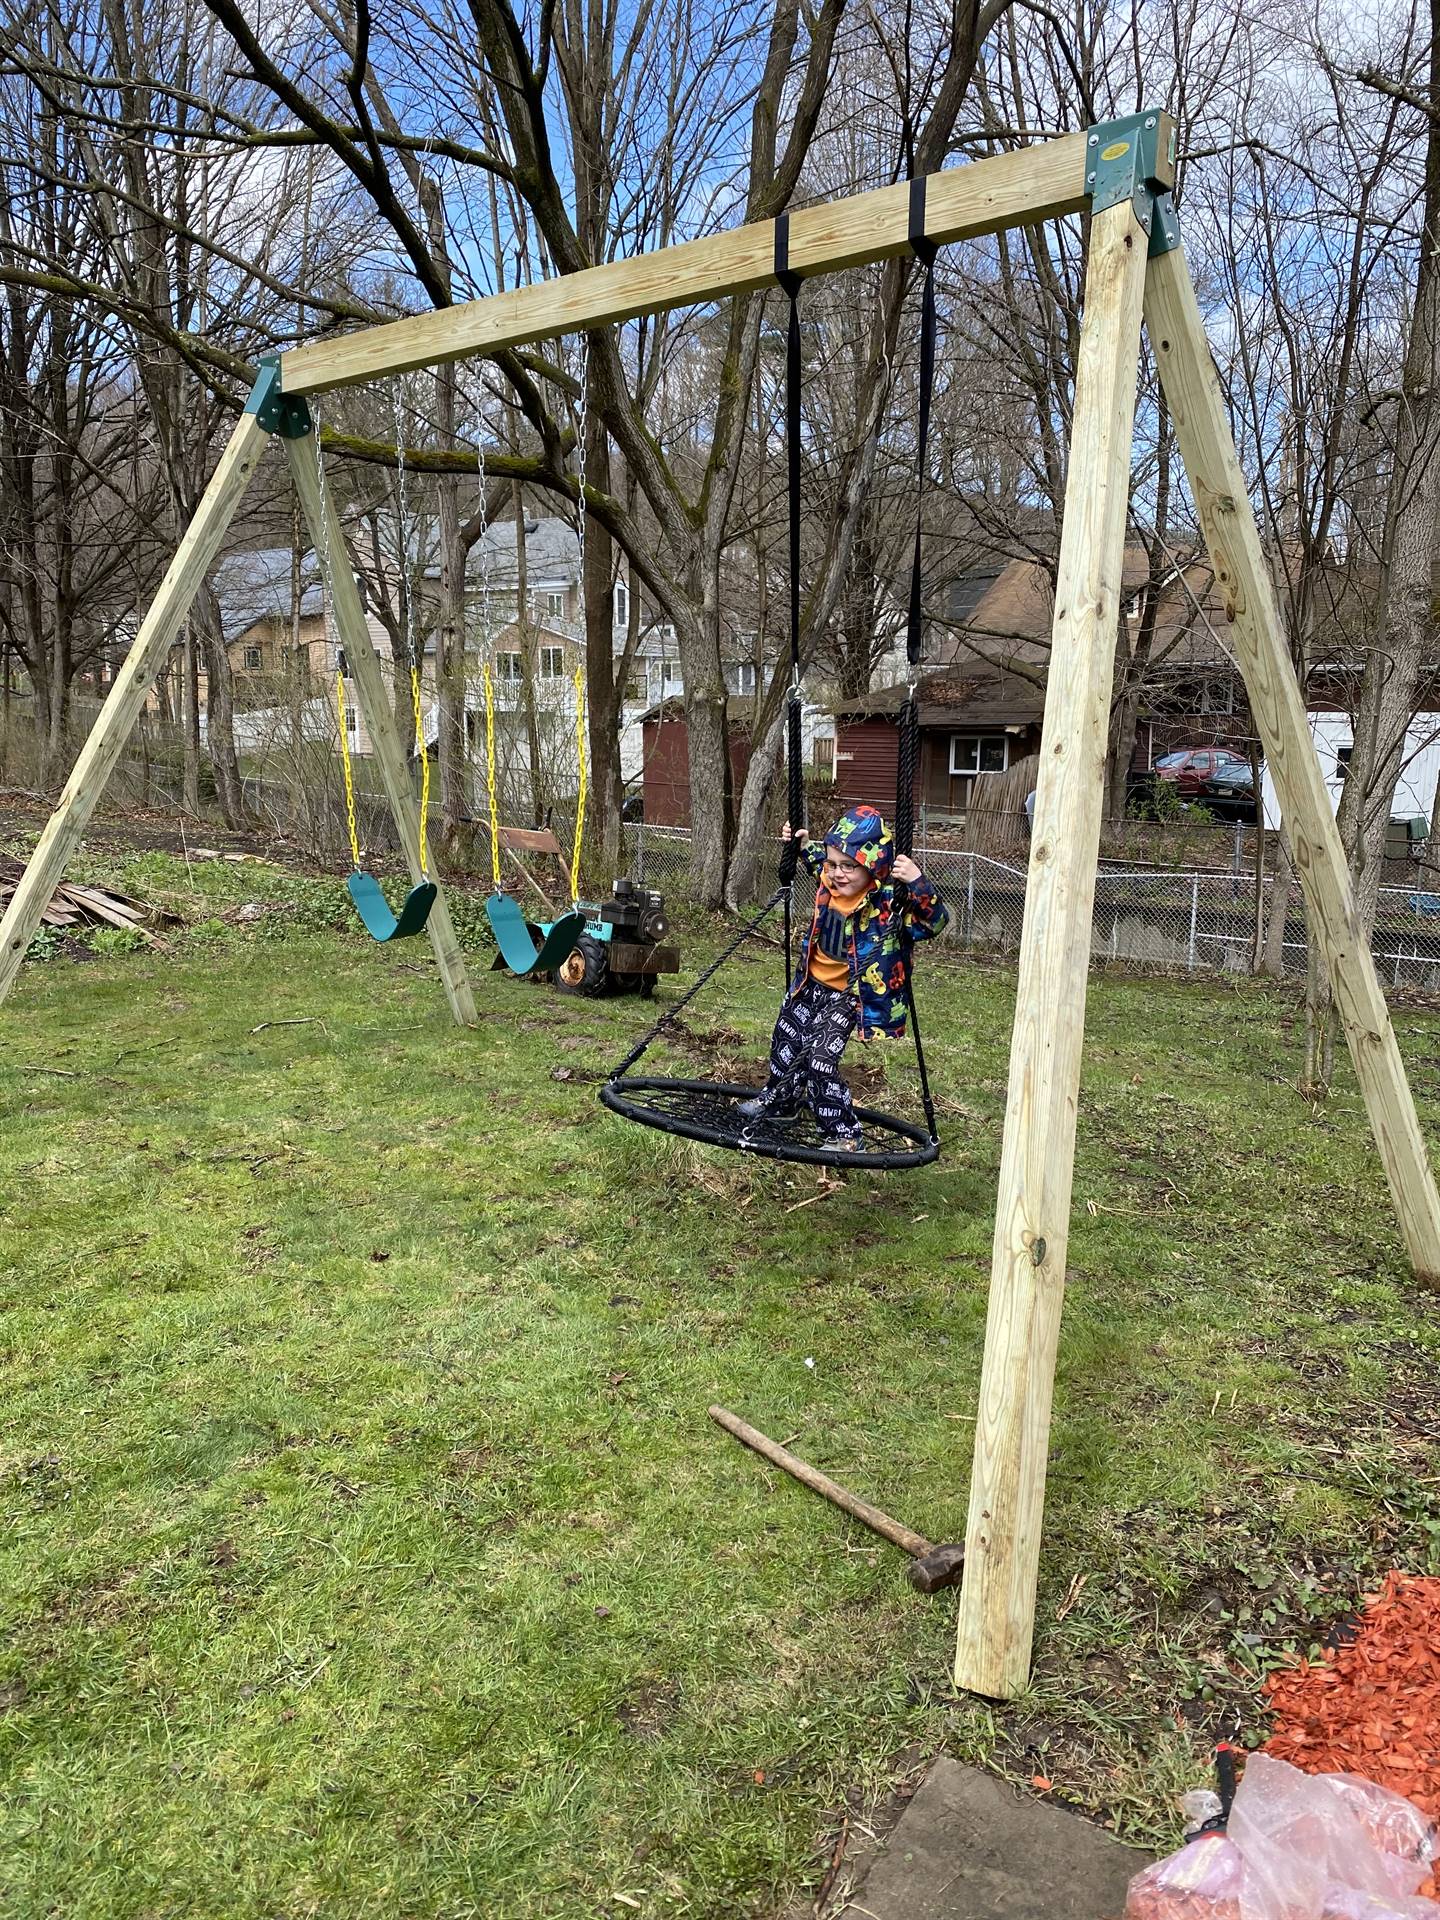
(872,943)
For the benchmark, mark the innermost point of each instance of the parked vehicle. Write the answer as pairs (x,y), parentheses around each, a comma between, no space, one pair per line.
(1229,792)
(1189,767)
(1177,777)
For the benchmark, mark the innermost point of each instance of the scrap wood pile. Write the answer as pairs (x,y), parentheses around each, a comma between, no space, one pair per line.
(72,905)
(1373,1706)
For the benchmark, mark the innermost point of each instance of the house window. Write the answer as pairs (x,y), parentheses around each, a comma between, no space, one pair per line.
(979,753)
(622,604)
(352,721)
(667,674)
(507,668)
(555,605)
(252,659)
(1342,760)
(552,662)
(342,665)
(635,687)
(740,676)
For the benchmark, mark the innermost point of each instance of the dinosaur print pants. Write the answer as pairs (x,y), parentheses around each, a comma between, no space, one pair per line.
(810,1036)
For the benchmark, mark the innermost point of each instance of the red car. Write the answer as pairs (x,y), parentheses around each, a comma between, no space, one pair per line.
(1187,769)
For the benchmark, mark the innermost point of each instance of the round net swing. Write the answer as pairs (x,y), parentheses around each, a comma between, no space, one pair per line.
(708,1111)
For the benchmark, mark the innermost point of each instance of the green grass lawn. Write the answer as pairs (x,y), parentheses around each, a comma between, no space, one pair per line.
(367,1548)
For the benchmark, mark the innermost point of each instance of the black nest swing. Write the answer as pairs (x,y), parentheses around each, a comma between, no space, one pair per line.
(708,1110)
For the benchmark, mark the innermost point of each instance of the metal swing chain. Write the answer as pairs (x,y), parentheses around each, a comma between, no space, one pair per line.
(408,583)
(326,565)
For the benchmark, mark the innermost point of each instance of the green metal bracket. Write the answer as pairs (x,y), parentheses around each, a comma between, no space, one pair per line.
(277,412)
(1165,230)
(1124,162)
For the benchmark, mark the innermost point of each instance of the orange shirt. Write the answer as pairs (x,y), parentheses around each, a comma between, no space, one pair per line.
(833,970)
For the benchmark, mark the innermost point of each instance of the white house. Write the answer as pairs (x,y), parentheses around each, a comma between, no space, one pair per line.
(1334,737)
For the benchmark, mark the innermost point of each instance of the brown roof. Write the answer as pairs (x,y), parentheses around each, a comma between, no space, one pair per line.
(981,697)
(1010,621)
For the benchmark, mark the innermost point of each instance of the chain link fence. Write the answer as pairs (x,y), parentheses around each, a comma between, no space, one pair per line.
(1188,920)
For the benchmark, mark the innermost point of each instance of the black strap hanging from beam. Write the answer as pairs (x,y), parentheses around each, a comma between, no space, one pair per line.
(908,755)
(907,767)
(794,772)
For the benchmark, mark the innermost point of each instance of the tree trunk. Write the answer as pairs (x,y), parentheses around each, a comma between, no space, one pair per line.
(56,726)
(190,709)
(1390,684)
(220,708)
(1272,953)
(1124,724)
(1318,1073)
(753,851)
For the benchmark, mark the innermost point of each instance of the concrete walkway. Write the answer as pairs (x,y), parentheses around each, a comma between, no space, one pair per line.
(968,1847)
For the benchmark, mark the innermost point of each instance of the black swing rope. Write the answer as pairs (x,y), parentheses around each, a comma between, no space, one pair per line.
(705,1110)
(908,754)
(789,283)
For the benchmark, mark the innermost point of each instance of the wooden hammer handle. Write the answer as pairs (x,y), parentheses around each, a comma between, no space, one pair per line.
(912,1543)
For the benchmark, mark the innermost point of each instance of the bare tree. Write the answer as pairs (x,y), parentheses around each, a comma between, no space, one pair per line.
(1400,660)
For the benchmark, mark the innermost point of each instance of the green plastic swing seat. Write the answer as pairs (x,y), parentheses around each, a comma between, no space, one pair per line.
(517,943)
(381,922)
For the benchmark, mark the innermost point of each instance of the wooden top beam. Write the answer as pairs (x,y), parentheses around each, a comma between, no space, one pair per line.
(1013,189)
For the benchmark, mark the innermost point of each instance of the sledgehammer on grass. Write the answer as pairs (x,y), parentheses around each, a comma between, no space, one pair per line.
(930,1567)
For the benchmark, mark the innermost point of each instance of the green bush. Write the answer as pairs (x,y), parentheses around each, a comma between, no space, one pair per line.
(46,943)
(108,940)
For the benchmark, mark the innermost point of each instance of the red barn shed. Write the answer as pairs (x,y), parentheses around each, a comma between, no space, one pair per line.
(667,760)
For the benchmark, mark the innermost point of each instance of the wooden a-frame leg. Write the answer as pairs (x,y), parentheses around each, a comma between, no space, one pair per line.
(1027,1280)
(328,539)
(1192,392)
(116,721)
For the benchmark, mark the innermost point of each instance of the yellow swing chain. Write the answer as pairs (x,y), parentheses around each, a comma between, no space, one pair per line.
(411,647)
(490,774)
(343,723)
(582,447)
(579,683)
(488,678)
(341,718)
(423,752)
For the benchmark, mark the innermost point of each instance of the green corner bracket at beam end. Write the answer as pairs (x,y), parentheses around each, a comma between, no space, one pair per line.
(1134,159)
(277,412)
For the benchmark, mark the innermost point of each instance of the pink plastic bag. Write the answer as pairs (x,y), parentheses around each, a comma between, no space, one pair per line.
(1299,1846)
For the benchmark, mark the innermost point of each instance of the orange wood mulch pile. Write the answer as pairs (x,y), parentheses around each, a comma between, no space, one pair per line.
(1373,1706)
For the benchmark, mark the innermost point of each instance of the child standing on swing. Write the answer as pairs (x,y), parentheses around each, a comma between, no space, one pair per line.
(852,972)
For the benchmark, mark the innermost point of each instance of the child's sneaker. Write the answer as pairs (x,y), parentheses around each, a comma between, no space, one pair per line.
(760,1109)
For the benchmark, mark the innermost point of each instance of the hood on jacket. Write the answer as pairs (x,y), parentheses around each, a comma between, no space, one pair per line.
(864,838)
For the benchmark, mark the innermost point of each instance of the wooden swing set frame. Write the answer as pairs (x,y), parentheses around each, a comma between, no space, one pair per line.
(1122,175)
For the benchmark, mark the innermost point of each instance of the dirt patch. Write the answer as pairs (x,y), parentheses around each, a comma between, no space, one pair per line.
(144,832)
(649,1708)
